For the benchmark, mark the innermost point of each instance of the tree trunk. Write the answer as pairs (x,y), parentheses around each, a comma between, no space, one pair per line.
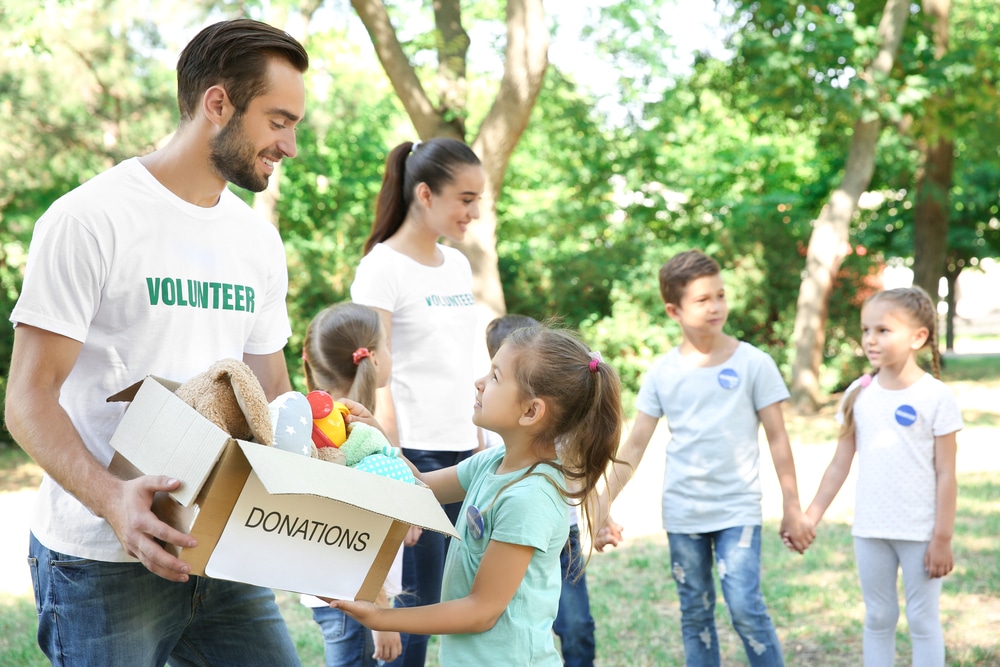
(951,274)
(525,62)
(930,216)
(297,25)
(828,243)
(930,232)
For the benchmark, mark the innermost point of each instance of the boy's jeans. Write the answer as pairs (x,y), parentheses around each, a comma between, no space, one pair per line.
(574,624)
(99,613)
(737,553)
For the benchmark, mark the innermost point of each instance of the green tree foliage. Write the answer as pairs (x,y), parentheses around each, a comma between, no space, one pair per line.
(80,89)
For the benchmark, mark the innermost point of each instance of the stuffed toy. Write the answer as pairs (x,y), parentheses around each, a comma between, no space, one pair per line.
(229,395)
(293,423)
(367,449)
(297,418)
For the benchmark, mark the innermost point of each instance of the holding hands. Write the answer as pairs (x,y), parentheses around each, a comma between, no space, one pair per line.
(797,530)
(610,534)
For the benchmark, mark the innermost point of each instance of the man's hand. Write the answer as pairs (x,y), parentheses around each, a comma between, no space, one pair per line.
(141,533)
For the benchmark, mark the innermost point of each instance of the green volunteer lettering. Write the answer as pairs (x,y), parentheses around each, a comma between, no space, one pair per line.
(200,294)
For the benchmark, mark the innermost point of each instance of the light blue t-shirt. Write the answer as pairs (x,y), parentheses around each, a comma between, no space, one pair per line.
(530,512)
(712,480)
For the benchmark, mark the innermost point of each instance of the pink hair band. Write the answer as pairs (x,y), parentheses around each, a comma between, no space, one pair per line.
(360,354)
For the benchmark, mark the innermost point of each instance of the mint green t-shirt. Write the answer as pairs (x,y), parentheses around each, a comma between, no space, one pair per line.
(530,512)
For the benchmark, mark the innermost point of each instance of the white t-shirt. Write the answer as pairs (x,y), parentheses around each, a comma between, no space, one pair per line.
(896,492)
(711,480)
(433,341)
(150,284)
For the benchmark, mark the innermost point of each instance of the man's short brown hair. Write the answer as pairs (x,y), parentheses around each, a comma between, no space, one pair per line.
(681,269)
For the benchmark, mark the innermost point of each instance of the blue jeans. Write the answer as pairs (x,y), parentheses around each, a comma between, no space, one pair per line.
(737,553)
(99,613)
(347,642)
(574,624)
(423,563)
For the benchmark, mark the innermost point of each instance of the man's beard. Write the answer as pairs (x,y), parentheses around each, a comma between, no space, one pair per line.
(235,158)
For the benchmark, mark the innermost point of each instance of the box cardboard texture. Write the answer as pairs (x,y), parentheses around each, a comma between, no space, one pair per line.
(262,515)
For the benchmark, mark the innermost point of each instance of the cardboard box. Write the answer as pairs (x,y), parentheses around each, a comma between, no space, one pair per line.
(263,515)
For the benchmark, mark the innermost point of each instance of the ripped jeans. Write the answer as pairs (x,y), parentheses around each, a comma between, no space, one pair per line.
(737,554)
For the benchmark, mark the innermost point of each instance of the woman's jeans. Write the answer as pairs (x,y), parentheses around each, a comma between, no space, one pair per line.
(423,563)
(737,555)
(100,613)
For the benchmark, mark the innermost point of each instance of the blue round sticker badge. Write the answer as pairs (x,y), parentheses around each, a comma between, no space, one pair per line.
(905,415)
(474,520)
(728,378)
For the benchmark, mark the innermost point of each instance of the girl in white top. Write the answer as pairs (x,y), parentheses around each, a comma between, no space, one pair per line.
(423,293)
(902,424)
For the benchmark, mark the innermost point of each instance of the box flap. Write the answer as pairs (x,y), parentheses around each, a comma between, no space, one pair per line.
(284,472)
(129,393)
(162,435)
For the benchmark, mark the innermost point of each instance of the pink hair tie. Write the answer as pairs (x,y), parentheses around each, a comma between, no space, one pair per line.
(865,380)
(595,359)
(360,354)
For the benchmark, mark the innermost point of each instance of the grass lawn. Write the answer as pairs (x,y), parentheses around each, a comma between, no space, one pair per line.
(814,600)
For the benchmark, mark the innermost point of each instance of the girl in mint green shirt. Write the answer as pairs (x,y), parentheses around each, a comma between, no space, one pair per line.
(502,578)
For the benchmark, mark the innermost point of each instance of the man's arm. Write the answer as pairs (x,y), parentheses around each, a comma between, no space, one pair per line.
(272,372)
(40,363)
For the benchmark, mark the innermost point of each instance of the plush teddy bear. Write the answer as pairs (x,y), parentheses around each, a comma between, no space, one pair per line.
(229,395)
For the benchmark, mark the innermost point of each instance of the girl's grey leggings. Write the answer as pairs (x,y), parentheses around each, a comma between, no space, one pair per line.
(878,564)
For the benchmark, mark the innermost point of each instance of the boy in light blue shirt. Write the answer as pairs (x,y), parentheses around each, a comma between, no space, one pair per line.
(715,392)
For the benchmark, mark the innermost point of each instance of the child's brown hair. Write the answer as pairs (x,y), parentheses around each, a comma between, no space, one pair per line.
(681,269)
(336,351)
(583,397)
(501,327)
(919,307)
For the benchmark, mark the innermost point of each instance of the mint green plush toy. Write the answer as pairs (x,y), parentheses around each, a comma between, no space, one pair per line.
(367,449)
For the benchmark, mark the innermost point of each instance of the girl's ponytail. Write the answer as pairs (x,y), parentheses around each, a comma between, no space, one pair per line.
(583,395)
(392,202)
(433,162)
(331,354)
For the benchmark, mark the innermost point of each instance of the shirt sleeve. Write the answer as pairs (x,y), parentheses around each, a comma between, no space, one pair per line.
(374,283)
(529,512)
(647,400)
(272,329)
(63,279)
(948,418)
(768,387)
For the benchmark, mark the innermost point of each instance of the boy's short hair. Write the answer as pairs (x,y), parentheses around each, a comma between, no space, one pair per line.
(681,269)
(498,330)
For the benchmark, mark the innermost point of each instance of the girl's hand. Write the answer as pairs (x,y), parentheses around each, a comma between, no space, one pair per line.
(360,413)
(388,645)
(412,536)
(797,530)
(362,612)
(938,560)
(609,535)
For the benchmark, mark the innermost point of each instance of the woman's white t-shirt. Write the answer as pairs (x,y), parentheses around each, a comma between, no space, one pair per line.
(433,341)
